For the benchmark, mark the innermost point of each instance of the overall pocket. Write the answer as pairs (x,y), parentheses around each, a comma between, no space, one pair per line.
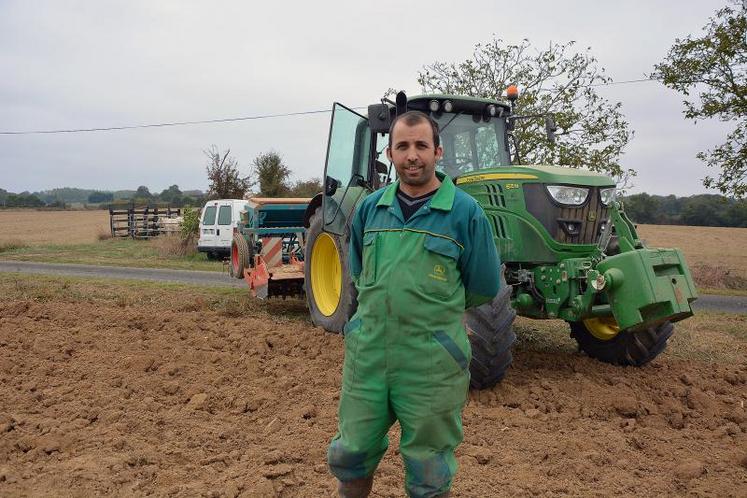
(449,371)
(439,275)
(351,333)
(368,272)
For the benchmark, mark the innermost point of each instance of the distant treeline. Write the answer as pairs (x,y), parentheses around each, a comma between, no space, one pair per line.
(65,197)
(697,210)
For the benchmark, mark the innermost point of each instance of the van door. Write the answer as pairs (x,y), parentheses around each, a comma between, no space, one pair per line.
(224,228)
(208,228)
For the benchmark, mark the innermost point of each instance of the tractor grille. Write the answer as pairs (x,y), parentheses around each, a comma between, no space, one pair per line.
(495,195)
(586,219)
(499,225)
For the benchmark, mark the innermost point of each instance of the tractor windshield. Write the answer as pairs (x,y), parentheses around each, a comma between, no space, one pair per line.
(471,144)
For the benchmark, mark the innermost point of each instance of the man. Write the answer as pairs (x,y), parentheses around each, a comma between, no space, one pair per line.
(421,251)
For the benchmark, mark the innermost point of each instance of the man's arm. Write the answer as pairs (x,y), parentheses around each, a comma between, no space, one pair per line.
(356,244)
(480,262)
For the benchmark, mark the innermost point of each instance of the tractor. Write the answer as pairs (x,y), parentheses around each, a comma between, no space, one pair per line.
(568,250)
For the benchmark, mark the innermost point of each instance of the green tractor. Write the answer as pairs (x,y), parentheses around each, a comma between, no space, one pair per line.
(569,251)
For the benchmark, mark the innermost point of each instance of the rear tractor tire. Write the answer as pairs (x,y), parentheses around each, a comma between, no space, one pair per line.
(603,340)
(330,293)
(240,254)
(491,335)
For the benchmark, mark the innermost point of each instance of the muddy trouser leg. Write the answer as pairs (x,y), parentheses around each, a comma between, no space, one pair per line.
(361,440)
(431,421)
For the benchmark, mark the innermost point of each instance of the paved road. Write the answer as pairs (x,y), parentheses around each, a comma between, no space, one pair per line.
(729,304)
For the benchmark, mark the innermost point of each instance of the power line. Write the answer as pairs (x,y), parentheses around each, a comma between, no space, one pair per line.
(642,80)
(228,120)
(163,125)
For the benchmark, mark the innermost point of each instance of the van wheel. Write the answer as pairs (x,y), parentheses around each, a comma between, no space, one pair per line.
(239,256)
(330,293)
(212,256)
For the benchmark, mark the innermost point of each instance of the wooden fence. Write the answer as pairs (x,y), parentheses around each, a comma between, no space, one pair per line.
(142,222)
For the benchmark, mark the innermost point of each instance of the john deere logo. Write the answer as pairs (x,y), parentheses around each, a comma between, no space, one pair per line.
(439,273)
(592,216)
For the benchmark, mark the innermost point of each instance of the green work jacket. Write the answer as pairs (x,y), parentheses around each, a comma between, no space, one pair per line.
(422,274)
(414,281)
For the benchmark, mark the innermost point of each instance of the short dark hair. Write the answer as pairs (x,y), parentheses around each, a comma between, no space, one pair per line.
(411,118)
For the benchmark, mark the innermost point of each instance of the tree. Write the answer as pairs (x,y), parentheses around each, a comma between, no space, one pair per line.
(143,192)
(306,188)
(223,174)
(271,174)
(172,195)
(711,72)
(592,131)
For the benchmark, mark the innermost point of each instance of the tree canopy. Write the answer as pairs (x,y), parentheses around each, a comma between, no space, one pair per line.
(695,210)
(711,72)
(223,175)
(592,131)
(271,175)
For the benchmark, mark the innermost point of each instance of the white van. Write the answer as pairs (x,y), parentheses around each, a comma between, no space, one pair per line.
(219,218)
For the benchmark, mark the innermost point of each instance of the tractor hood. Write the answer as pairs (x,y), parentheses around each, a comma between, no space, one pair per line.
(538,174)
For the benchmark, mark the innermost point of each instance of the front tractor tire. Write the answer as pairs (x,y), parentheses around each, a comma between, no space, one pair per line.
(602,340)
(491,335)
(330,293)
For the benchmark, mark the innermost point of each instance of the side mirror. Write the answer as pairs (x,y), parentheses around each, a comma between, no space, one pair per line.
(550,127)
(330,186)
(379,117)
(381,168)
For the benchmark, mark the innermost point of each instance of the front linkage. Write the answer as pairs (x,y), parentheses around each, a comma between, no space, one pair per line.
(620,301)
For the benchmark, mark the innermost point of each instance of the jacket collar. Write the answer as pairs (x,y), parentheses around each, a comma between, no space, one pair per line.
(443,199)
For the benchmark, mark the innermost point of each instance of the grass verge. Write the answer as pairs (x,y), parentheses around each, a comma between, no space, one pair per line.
(154,253)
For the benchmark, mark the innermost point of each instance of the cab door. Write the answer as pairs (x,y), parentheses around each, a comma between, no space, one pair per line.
(346,170)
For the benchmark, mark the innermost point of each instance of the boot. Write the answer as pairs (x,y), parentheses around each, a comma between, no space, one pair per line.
(357,488)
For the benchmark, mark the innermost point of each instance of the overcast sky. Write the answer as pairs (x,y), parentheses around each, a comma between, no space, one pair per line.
(81,64)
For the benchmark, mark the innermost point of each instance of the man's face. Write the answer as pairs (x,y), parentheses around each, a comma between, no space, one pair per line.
(413,153)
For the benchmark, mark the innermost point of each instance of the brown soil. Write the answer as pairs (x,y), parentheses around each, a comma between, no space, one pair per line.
(123,399)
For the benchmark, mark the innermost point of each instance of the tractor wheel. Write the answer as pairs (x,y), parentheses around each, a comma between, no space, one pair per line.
(603,340)
(491,335)
(239,256)
(330,293)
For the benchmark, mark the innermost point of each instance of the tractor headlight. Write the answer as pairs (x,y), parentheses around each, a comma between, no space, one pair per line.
(570,196)
(607,195)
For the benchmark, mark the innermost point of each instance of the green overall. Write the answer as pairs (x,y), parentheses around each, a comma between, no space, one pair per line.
(406,350)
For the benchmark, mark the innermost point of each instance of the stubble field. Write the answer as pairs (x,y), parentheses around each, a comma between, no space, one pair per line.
(139,389)
(52,227)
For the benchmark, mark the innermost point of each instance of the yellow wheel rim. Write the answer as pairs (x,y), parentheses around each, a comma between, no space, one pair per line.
(604,328)
(326,274)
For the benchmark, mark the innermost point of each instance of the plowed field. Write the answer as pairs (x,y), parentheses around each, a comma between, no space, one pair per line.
(128,390)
